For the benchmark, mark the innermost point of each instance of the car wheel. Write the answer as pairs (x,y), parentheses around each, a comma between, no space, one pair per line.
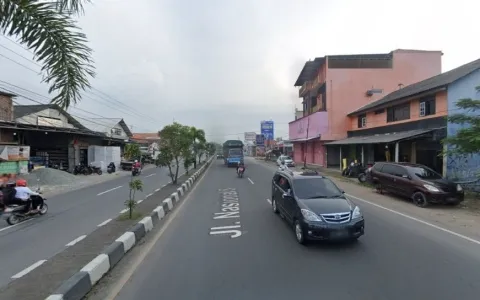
(419,199)
(274,206)
(299,233)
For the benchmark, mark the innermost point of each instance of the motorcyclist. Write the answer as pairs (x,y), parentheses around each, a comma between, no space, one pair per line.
(137,165)
(283,166)
(23,194)
(241,164)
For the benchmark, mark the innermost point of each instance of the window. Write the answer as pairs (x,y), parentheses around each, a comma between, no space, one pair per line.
(427,106)
(316,188)
(380,111)
(117,131)
(398,113)
(362,121)
(394,170)
(425,173)
(283,183)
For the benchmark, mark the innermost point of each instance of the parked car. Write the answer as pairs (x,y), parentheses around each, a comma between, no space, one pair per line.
(287,159)
(417,182)
(315,207)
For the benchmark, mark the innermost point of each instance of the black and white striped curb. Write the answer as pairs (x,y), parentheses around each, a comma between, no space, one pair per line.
(77,286)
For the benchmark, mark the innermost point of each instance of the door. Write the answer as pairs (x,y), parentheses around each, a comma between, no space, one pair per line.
(385,177)
(401,183)
(286,200)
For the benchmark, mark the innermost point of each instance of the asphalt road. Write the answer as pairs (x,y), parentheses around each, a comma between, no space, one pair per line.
(398,258)
(71,217)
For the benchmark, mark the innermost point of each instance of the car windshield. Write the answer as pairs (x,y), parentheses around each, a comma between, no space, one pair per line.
(312,188)
(286,158)
(425,173)
(235,152)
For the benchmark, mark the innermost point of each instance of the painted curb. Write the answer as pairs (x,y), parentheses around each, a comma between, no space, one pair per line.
(77,286)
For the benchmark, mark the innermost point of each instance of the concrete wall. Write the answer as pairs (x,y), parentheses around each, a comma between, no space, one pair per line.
(32,119)
(462,168)
(6,108)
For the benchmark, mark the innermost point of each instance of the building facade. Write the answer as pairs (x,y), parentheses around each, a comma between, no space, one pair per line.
(333,86)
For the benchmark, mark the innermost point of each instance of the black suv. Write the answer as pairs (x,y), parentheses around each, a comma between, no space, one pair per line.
(315,207)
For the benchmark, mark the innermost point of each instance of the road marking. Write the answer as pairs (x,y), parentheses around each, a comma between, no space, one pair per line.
(123,211)
(230,209)
(250,180)
(150,175)
(269,201)
(29,269)
(99,194)
(11,226)
(76,240)
(122,281)
(139,201)
(156,190)
(225,227)
(418,220)
(104,223)
(149,195)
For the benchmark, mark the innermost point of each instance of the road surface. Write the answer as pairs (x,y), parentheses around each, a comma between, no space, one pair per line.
(398,258)
(71,217)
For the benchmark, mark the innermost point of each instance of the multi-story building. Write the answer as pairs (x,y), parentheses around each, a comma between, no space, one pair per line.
(334,85)
(410,123)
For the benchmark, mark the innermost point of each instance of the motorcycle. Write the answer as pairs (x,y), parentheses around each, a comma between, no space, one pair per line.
(136,171)
(240,171)
(111,168)
(95,169)
(79,169)
(14,214)
(365,175)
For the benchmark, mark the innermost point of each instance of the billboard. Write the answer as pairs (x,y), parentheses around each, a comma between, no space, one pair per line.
(259,140)
(250,136)
(266,128)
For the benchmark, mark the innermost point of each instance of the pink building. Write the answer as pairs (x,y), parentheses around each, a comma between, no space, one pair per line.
(335,85)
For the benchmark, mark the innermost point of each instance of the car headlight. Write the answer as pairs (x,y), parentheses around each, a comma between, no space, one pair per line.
(431,188)
(310,215)
(459,188)
(356,213)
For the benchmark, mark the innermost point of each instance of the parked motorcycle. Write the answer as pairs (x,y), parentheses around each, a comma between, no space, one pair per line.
(79,169)
(14,214)
(95,169)
(111,168)
(240,171)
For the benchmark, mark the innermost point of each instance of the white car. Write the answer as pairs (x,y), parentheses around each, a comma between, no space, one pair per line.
(287,159)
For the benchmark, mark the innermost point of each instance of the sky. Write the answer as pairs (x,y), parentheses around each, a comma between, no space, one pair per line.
(226,65)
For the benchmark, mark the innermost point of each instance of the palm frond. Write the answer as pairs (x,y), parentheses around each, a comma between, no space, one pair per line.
(71,7)
(57,43)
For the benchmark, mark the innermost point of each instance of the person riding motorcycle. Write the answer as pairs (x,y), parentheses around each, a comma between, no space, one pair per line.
(137,164)
(283,166)
(241,164)
(23,193)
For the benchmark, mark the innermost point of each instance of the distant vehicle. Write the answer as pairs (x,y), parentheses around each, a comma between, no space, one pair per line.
(219,156)
(232,152)
(287,159)
(417,182)
(316,207)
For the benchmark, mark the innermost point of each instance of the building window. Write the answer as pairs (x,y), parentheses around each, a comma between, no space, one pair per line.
(427,106)
(117,131)
(398,113)
(362,121)
(380,111)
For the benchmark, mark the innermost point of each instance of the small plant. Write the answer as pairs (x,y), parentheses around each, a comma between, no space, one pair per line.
(135,185)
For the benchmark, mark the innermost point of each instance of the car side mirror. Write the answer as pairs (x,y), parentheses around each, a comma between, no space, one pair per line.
(343,192)
(287,194)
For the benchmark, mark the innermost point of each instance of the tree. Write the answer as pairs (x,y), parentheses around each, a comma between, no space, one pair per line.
(175,141)
(198,138)
(135,185)
(49,30)
(131,151)
(210,148)
(467,139)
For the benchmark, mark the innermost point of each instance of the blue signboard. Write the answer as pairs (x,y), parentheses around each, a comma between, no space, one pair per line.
(266,128)
(259,140)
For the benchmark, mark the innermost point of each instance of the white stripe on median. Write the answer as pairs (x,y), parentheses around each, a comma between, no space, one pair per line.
(99,194)
(29,269)
(104,223)
(250,180)
(76,240)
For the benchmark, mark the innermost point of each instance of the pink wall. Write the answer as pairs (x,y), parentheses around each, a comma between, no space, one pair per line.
(318,124)
(315,153)
(346,88)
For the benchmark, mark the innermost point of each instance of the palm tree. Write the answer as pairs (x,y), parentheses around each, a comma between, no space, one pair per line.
(198,137)
(49,30)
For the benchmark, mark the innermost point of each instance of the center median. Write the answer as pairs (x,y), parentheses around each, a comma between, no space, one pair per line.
(72,273)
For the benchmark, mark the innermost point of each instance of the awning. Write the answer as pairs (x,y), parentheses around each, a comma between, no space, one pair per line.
(381,138)
(304,139)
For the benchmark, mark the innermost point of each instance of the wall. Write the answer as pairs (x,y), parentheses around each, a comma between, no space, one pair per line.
(346,88)
(462,168)
(6,108)
(317,123)
(123,135)
(49,113)
(379,120)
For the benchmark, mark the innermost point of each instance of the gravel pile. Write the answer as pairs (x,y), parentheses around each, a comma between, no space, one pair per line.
(50,177)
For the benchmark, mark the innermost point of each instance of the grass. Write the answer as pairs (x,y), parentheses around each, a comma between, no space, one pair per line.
(126,216)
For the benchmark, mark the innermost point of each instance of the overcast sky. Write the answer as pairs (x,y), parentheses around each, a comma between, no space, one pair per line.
(225,65)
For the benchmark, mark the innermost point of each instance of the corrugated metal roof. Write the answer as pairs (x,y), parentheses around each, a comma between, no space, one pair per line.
(105,125)
(429,84)
(381,138)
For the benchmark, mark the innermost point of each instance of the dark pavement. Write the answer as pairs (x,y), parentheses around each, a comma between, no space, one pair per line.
(71,216)
(398,258)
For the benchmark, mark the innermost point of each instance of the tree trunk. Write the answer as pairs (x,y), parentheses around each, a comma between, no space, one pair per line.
(170,172)
(176,171)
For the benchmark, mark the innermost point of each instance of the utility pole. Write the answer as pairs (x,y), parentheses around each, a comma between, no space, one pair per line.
(305,149)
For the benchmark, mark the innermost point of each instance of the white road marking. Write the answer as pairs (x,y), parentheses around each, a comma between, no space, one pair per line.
(269,201)
(123,211)
(11,226)
(29,269)
(149,195)
(250,180)
(418,220)
(76,240)
(104,223)
(150,175)
(139,201)
(225,227)
(99,194)
(156,190)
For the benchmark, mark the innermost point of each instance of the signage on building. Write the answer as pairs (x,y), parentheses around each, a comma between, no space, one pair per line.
(51,122)
(259,140)
(250,136)
(267,129)
(14,153)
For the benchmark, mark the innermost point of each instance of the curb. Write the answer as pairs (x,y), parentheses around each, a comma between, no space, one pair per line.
(80,284)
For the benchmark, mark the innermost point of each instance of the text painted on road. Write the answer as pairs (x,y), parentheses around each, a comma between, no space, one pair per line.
(229,209)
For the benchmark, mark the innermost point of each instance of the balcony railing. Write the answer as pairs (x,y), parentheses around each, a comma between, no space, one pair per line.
(305,88)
